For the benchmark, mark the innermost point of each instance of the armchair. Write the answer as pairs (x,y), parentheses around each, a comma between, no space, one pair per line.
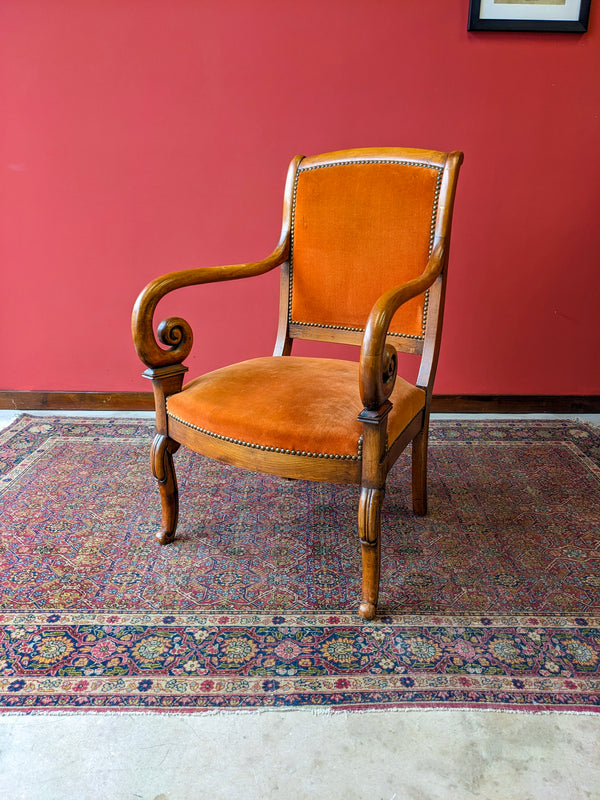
(363,254)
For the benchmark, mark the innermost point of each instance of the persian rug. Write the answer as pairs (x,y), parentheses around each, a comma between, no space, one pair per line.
(491,601)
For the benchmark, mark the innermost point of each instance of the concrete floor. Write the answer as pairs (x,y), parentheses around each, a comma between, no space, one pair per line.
(296,755)
(416,755)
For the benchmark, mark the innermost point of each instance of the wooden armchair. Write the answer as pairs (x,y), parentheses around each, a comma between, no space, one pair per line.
(363,254)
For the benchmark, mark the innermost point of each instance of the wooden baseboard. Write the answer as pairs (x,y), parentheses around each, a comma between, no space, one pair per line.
(442,403)
(77,401)
(516,404)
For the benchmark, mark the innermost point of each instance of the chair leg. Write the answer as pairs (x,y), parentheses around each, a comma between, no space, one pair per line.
(369,528)
(163,470)
(419,470)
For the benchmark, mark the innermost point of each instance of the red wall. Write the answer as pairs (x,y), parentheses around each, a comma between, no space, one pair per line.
(141,136)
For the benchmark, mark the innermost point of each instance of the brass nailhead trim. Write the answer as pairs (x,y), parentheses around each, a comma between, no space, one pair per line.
(418,336)
(434,210)
(265,447)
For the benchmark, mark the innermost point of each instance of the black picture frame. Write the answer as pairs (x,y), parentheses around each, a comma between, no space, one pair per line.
(579,25)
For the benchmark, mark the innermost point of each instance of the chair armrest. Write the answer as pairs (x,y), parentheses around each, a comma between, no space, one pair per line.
(175,333)
(378,359)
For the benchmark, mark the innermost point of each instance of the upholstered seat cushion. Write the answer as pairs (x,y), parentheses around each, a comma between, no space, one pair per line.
(306,406)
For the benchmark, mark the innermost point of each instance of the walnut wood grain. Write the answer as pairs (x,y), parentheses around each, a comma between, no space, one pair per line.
(419,470)
(161,461)
(369,530)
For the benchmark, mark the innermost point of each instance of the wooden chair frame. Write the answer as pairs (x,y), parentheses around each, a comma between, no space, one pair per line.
(165,353)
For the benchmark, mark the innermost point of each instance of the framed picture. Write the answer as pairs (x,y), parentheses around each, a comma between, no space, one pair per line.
(529,15)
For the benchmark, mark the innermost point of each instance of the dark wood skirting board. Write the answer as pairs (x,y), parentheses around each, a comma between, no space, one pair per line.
(77,401)
(516,404)
(442,403)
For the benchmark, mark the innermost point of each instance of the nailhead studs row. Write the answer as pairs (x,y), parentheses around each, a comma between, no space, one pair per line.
(358,330)
(431,239)
(337,456)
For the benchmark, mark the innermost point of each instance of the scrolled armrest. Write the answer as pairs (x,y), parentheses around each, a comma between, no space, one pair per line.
(175,333)
(378,359)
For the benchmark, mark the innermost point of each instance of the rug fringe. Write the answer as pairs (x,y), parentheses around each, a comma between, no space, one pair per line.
(330,711)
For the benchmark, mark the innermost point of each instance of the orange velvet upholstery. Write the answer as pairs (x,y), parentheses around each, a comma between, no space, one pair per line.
(359,229)
(307,406)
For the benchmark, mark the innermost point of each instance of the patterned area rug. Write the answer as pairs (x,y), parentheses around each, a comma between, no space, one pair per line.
(492,601)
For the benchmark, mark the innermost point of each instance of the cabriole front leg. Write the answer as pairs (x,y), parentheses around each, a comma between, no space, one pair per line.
(369,529)
(161,458)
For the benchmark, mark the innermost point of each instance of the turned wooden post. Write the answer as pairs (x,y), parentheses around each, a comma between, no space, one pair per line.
(369,507)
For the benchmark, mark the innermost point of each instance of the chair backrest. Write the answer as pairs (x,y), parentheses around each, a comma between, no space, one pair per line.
(362,222)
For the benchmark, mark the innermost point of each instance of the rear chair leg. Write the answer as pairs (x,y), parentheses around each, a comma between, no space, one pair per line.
(419,471)
(369,529)
(161,458)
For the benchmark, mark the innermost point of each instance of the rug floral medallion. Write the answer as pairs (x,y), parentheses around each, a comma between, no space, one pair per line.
(491,601)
